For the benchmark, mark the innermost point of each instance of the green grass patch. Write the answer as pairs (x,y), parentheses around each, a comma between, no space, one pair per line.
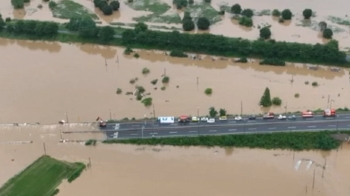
(41,177)
(292,141)
(67,9)
(91,142)
(204,10)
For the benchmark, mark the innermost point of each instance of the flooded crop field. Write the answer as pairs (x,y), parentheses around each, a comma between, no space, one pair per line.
(161,14)
(161,170)
(54,81)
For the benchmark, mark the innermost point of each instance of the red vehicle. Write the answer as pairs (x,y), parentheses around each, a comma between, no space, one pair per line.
(307,114)
(269,115)
(184,119)
(329,113)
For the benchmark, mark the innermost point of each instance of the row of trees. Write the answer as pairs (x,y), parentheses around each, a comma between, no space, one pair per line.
(33,28)
(245,15)
(107,6)
(266,100)
(188,23)
(213,112)
(87,28)
(220,45)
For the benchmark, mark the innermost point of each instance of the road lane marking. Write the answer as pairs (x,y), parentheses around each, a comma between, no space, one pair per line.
(173,132)
(134,134)
(311,126)
(292,127)
(212,130)
(251,128)
(192,131)
(332,125)
(272,128)
(232,130)
(115,135)
(153,133)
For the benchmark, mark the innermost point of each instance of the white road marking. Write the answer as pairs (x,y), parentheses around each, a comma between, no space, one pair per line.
(332,125)
(134,134)
(192,131)
(232,130)
(153,133)
(292,127)
(172,132)
(311,126)
(115,135)
(251,128)
(212,130)
(272,128)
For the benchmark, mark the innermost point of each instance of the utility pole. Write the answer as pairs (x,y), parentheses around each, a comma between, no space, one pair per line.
(154,112)
(44,148)
(328,100)
(324,167)
(198,112)
(110,115)
(241,108)
(286,107)
(89,162)
(313,181)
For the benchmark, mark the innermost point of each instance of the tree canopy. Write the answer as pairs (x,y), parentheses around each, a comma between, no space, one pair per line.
(276,13)
(203,23)
(287,14)
(188,25)
(327,33)
(247,12)
(265,100)
(265,33)
(307,13)
(115,5)
(236,9)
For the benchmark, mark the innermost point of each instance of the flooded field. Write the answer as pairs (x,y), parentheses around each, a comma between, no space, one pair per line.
(135,170)
(54,81)
(296,30)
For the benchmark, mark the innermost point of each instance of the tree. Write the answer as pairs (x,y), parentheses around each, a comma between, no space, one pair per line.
(322,25)
(276,101)
(307,13)
(188,25)
(39,29)
(50,28)
(203,23)
(247,12)
(106,33)
(265,33)
(19,26)
(276,13)
(52,5)
(115,5)
(265,100)
(207,1)
(2,23)
(245,21)
(187,16)
(140,27)
(236,9)
(287,14)
(17,4)
(107,10)
(327,33)
(87,28)
(73,23)
(191,2)
(212,112)
(10,27)
(180,3)
(222,112)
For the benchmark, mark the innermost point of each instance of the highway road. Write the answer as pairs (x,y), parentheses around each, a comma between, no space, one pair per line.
(149,129)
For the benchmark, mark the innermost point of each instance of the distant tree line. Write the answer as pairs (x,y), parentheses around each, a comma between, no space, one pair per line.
(33,28)
(216,44)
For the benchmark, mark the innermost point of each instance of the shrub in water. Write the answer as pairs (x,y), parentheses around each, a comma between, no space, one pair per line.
(208,91)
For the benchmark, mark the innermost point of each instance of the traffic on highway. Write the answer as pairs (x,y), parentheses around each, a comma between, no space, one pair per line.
(195,126)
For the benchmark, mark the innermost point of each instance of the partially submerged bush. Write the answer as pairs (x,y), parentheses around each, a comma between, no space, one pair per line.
(276,101)
(147,101)
(119,91)
(296,95)
(208,91)
(272,61)
(242,60)
(154,82)
(128,50)
(314,84)
(165,80)
(145,71)
(178,53)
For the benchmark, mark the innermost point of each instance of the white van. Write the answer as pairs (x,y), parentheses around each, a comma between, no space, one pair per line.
(166,119)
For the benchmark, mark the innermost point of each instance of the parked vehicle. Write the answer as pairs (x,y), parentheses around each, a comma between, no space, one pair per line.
(238,118)
(329,113)
(195,119)
(223,118)
(102,123)
(252,117)
(184,119)
(211,120)
(307,114)
(204,119)
(269,115)
(292,117)
(282,117)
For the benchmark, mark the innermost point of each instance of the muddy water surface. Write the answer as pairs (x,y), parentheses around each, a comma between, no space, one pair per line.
(145,170)
(52,79)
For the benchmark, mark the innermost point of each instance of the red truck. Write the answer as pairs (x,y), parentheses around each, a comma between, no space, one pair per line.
(307,114)
(269,115)
(329,113)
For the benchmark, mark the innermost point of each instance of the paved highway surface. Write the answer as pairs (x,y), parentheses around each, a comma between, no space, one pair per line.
(148,129)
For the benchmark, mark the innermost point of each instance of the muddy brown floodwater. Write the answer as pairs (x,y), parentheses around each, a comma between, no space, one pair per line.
(49,79)
(146,170)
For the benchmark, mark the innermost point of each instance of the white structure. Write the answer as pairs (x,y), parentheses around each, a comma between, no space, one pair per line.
(166,119)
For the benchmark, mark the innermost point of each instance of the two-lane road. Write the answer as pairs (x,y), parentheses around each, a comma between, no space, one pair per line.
(148,129)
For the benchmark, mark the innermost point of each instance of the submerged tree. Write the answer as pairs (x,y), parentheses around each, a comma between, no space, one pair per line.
(265,100)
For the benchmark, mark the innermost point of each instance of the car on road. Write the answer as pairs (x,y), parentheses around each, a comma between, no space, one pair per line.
(204,119)
(292,117)
(195,119)
(282,117)
(238,118)
(252,117)
(223,118)
(211,120)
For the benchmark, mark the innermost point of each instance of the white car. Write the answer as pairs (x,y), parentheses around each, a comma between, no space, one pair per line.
(281,117)
(204,119)
(223,118)
(211,120)
(238,118)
